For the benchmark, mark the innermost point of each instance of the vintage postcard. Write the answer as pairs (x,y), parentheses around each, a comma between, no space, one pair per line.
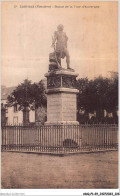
(59,96)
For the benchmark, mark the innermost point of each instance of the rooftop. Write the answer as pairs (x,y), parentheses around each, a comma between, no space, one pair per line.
(5,91)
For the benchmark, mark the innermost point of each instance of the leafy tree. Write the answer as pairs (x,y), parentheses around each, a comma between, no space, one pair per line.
(28,96)
(97,95)
(82,85)
(112,97)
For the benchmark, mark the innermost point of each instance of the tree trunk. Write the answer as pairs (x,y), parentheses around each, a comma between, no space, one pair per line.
(100,114)
(26,116)
(3,116)
(115,116)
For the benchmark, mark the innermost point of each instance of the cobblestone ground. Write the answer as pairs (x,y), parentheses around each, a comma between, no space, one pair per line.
(93,170)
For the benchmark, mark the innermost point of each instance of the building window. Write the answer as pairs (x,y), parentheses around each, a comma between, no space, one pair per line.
(6,107)
(6,120)
(15,108)
(15,120)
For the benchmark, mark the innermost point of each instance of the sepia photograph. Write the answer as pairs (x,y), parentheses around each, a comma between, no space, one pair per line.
(59,95)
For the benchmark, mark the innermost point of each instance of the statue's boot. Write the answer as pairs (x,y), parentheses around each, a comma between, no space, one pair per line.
(68,67)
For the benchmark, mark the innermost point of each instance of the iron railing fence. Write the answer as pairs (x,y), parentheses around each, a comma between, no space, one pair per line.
(59,138)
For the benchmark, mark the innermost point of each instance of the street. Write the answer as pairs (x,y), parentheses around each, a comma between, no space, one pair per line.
(81,171)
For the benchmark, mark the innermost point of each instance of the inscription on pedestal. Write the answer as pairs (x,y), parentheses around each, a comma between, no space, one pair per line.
(54,107)
(69,107)
(61,106)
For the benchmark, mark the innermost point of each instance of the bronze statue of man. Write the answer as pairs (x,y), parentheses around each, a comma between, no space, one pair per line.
(60,38)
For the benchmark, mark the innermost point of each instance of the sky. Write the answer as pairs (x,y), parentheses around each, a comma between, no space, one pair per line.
(27,32)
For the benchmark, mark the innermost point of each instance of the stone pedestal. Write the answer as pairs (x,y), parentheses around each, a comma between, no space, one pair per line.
(61,97)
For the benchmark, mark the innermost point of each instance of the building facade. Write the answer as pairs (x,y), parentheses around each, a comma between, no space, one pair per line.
(11,114)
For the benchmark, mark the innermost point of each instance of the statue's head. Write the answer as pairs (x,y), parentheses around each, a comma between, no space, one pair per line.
(60,27)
